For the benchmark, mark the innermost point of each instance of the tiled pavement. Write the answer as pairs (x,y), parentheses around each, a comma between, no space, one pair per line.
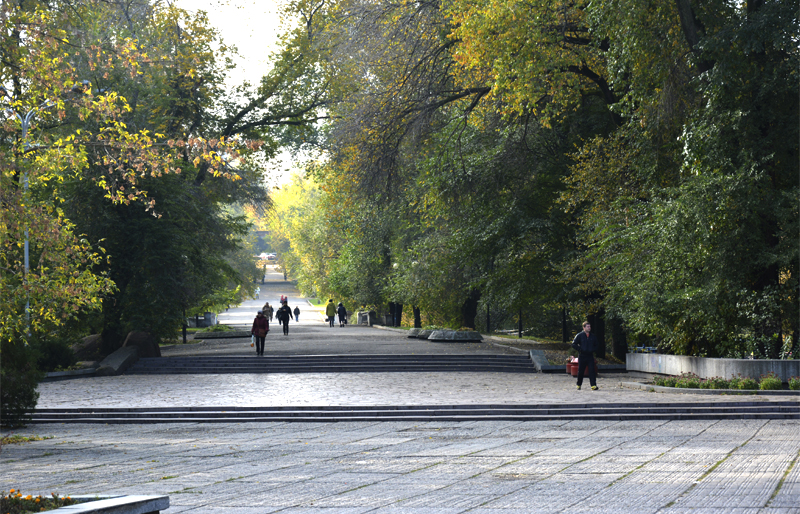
(483,467)
(492,467)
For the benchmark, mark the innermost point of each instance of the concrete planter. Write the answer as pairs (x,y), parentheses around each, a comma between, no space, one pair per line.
(423,334)
(709,368)
(455,336)
(414,331)
(117,505)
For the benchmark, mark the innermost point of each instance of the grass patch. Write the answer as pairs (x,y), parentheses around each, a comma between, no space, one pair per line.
(19,439)
(316,302)
(215,328)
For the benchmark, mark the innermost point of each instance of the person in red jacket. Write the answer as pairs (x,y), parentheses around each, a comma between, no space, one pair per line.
(260,329)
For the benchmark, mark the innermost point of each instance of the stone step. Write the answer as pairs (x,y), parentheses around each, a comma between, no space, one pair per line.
(326,369)
(682,411)
(333,364)
(354,357)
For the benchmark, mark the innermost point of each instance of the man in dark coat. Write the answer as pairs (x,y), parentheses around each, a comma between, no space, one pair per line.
(284,314)
(586,344)
(342,312)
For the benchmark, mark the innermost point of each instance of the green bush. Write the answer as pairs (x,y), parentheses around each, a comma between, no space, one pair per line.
(770,382)
(794,383)
(19,377)
(748,383)
(688,381)
(665,381)
(216,328)
(718,383)
(53,354)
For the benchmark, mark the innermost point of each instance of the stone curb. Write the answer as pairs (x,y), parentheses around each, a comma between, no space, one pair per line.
(230,334)
(684,390)
(455,336)
(390,329)
(66,375)
(132,504)
(119,361)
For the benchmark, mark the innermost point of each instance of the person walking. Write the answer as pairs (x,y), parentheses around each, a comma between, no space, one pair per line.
(342,312)
(258,292)
(259,330)
(284,314)
(271,312)
(586,344)
(330,311)
(297,314)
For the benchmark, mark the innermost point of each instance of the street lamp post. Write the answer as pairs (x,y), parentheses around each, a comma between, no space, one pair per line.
(25,122)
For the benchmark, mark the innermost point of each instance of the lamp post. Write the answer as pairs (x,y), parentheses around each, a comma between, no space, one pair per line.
(25,122)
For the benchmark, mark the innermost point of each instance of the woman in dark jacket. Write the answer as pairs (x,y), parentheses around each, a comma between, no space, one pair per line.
(342,312)
(259,330)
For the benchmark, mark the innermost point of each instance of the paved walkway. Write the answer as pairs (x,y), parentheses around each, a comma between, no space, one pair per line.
(405,467)
(485,467)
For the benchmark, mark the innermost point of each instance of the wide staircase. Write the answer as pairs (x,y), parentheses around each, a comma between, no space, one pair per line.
(332,364)
(542,412)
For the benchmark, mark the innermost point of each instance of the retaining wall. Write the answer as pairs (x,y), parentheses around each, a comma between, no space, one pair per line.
(708,368)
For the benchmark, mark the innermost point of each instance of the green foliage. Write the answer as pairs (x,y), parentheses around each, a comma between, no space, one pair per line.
(748,383)
(53,354)
(668,381)
(216,328)
(794,383)
(688,381)
(15,503)
(19,377)
(770,382)
(718,383)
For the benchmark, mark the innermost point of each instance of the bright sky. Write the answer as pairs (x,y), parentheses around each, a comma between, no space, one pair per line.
(253,28)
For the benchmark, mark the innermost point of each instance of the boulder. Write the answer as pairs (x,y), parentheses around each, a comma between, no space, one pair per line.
(414,331)
(88,348)
(455,335)
(119,361)
(147,345)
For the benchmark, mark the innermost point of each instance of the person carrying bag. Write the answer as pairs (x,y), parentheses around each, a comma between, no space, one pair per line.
(259,331)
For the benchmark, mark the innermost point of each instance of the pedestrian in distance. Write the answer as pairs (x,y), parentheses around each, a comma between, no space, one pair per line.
(342,312)
(297,314)
(284,314)
(330,311)
(266,309)
(586,344)
(271,312)
(258,292)
(260,330)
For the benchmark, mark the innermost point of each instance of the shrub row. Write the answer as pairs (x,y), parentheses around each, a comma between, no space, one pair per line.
(691,381)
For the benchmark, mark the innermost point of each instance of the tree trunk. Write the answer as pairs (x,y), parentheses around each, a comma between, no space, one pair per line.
(619,339)
(417,317)
(599,330)
(564,328)
(398,314)
(469,310)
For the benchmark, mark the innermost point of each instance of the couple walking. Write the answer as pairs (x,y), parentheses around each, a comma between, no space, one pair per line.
(332,310)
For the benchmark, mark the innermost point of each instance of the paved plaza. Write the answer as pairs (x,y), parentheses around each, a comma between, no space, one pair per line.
(715,466)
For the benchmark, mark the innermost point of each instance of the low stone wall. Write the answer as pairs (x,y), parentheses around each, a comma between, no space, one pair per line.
(708,368)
